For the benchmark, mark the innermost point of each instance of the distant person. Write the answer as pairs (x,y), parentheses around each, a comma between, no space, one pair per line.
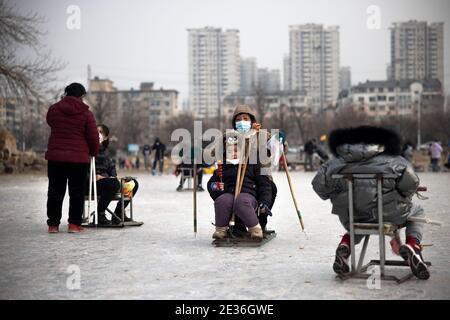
(146,151)
(408,151)
(127,164)
(160,149)
(435,153)
(309,149)
(73,141)
(138,162)
(121,163)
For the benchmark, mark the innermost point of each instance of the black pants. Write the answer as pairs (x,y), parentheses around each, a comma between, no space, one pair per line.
(106,189)
(59,174)
(160,161)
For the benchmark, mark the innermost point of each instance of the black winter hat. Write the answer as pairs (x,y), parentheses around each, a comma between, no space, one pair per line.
(75,90)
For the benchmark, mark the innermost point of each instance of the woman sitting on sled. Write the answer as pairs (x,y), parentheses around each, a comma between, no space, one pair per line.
(256,188)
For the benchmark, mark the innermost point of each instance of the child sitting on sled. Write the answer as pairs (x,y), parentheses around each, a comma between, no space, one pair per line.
(372,150)
(257,187)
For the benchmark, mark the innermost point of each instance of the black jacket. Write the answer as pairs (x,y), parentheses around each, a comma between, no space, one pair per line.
(160,149)
(103,163)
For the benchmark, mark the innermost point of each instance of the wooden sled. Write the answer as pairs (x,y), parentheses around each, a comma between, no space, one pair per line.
(244,240)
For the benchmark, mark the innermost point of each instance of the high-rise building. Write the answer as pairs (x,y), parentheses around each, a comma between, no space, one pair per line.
(269,80)
(345,78)
(286,73)
(249,74)
(417,51)
(314,62)
(214,68)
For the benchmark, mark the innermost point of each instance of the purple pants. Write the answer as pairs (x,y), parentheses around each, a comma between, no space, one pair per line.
(244,207)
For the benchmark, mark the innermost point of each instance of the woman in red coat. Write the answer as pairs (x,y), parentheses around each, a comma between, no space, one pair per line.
(73,141)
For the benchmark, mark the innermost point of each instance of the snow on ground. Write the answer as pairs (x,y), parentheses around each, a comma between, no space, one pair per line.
(163,260)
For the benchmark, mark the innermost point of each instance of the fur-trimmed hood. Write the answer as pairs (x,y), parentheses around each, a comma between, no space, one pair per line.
(358,143)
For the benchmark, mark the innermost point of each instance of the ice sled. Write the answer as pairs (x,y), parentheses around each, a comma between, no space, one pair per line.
(241,239)
(90,218)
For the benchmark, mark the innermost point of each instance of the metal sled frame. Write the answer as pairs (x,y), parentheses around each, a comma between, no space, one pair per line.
(379,229)
(90,220)
(187,177)
(244,240)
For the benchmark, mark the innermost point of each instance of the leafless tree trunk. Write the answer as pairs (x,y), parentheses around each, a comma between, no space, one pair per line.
(260,101)
(300,117)
(103,106)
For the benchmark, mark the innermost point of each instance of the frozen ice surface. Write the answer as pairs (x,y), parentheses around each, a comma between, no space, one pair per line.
(163,260)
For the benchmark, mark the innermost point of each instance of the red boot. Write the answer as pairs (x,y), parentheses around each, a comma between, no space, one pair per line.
(412,253)
(340,265)
(53,229)
(73,228)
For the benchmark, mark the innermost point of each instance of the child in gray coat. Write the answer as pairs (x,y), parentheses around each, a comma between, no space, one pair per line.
(369,149)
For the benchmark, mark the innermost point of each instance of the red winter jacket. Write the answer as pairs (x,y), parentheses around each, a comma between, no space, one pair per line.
(74,137)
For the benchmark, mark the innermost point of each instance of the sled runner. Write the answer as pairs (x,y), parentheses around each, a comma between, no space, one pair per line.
(244,240)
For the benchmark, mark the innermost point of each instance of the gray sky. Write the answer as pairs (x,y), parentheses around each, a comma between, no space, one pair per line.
(136,40)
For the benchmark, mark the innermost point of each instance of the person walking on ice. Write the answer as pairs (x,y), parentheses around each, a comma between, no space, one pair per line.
(368,149)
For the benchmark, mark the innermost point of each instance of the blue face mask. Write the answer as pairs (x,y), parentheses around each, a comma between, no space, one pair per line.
(243,126)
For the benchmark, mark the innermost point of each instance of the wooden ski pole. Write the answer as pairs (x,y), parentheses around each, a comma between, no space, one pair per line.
(236,191)
(195,199)
(244,169)
(292,190)
(239,180)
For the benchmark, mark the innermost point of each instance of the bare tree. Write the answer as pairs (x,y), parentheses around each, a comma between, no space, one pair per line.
(23,77)
(260,103)
(182,121)
(133,125)
(300,117)
(104,104)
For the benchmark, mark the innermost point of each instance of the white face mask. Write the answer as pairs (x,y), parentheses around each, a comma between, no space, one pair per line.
(243,126)
(100,137)
(233,161)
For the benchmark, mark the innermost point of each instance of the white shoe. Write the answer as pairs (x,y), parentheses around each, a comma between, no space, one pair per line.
(256,232)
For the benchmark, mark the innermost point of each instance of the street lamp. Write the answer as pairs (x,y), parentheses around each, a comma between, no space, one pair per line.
(416,97)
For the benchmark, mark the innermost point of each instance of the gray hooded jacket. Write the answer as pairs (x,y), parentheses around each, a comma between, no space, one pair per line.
(367,150)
